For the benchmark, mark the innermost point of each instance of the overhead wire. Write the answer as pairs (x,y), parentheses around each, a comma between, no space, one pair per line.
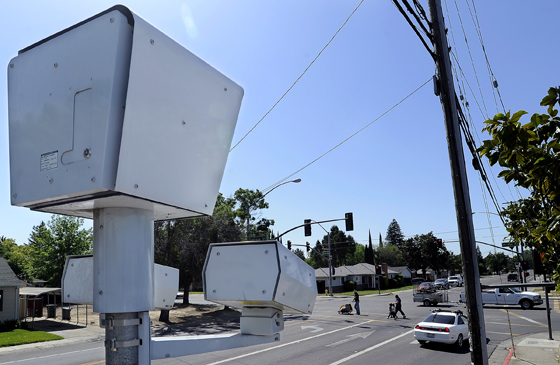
(347,139)
(299,78)
(401,10)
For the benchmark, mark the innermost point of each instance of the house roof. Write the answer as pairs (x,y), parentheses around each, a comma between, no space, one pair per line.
(7,276)
(360,269)
(397,269)
(32,291)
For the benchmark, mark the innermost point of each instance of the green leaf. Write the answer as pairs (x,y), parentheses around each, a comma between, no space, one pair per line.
(517,115)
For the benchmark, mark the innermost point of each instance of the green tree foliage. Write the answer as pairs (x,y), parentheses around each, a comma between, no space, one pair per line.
(316,260)
(394,234)
(380,240)
(17,256)
(499,262)
(183,244)
(299,253)
(250,201)
(50,243)
(530,157)
(358,256)
(390,255)
(368,252)
(423,251)
(342,246)
(454,264)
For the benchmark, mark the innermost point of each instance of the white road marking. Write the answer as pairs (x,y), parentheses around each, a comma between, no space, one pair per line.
(47,356)
(317,328)
(371,348)
(286,344)
(351,337)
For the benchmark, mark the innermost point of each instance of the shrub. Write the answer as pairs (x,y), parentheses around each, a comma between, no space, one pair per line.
(9,325)
(350,285)
(393,283)
(400,279)
(384,282)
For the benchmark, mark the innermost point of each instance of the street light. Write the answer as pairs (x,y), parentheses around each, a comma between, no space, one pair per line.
(258,200)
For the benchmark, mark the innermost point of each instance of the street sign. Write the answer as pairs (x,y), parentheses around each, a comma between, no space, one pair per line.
(508,244)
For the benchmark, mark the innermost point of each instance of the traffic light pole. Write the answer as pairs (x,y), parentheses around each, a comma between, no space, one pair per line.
(477,332)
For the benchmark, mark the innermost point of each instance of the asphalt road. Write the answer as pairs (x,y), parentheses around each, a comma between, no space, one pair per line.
(329,338)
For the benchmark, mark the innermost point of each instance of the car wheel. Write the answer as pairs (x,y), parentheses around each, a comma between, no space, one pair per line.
(526,304)
(421,342)
(460,340)
(427,302)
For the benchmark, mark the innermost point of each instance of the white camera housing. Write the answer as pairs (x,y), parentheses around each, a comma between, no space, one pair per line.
(111,112)
(259,274)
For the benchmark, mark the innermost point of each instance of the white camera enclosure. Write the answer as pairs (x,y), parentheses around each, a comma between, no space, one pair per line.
(77,282)
(113,113)
(258,274)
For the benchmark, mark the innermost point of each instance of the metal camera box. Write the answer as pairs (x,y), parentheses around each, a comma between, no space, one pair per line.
(258,274)
(111,112)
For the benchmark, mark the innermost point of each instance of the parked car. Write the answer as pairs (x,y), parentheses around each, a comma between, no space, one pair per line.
(513,277)
(455,281)
(444,327)
(417,280)
(426,287)
(441,284)
(180,295)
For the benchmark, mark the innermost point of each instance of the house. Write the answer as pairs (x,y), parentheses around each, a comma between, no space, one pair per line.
(9,292)
(394,271)
(363,274)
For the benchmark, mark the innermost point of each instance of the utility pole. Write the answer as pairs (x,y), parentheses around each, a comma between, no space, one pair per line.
(477,332)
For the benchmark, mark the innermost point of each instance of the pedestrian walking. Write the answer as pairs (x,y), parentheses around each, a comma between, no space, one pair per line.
(398,306)
(357,301)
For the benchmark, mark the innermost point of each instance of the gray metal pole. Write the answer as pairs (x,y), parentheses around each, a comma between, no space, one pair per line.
(546,290)
(330,264)
(477,332)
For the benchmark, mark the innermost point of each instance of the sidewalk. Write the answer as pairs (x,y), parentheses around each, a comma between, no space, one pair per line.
(71,332)
(534,349)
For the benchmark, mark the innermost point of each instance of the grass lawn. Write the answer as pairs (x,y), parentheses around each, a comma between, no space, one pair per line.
(366,292)
(19,337)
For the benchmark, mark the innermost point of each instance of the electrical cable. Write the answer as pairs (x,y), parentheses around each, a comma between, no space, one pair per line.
(300,76)
(401,10)
(338,145)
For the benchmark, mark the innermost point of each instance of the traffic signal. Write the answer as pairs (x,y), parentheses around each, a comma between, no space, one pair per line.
(525,274)
(307,246)
(439,241)
(307,227)
(524,265)
(290,245)
(537,263)
(378,270)
(349,217)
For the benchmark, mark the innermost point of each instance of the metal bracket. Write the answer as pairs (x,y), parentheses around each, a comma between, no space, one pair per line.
(114,344)
(111,323)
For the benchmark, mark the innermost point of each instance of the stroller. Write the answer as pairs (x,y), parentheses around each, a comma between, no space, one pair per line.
(392,311)
(345,309)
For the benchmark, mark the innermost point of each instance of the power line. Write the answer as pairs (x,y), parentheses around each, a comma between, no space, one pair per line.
(347,139)
(300,76)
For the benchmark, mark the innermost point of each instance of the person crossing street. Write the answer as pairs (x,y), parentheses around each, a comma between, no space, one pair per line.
(357,301)
(398,306)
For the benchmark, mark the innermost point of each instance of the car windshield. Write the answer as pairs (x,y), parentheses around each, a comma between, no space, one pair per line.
(440,318)
(452,278)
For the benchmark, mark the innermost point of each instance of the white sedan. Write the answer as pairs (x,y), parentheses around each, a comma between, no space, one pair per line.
(444,327)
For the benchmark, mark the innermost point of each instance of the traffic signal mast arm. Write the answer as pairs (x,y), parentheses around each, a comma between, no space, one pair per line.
(315,222)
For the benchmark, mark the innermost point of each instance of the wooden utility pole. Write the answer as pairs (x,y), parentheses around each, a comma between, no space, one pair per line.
(477,332)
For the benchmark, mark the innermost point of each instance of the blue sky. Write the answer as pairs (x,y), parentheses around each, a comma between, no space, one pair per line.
(398,167)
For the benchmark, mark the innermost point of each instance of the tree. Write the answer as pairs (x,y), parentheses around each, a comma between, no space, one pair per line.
(481,263)
(299,253)
(358,256)
(411,253)
(498,262)
(249,201)
(369,256)
(394,234)
(18,257)
(380,240)
(390,255)
(315,259)
(50,243)
(341,246)
(529,155)
(184,243)
(424,251)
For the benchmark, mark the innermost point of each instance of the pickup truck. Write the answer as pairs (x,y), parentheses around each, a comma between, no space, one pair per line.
(510,296)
